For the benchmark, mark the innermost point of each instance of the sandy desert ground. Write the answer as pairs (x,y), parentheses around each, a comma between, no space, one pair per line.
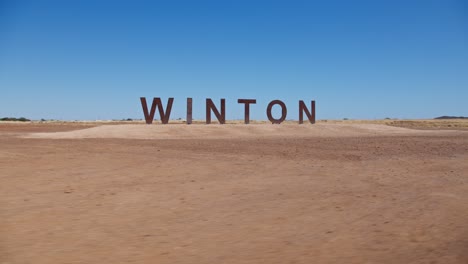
(334,192)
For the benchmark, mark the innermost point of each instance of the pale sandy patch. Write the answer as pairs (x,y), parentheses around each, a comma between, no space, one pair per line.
(178,131)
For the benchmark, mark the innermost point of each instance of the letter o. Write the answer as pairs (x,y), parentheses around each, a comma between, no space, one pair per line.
(284,111)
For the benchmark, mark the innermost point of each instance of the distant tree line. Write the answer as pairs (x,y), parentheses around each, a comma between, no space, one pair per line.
(451,117)
(21,119)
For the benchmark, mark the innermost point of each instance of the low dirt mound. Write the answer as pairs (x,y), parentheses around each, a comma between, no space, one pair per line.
(157,131)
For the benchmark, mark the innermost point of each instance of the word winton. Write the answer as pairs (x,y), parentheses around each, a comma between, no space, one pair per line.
(221,116)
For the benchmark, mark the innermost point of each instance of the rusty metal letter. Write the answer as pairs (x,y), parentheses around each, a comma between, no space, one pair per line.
(303,108)
(149,117)
(284,112)
(189,111)
(247,103)
(210,106)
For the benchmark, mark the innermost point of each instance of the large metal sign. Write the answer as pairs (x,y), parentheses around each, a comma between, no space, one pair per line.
(221,115)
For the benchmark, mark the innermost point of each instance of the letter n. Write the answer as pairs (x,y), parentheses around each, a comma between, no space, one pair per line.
(211,107)
(303,108)
(164,114)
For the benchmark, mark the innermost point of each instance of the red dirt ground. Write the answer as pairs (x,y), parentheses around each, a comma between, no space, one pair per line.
(285,197)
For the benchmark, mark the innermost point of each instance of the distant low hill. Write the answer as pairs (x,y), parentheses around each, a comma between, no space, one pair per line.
(451,117)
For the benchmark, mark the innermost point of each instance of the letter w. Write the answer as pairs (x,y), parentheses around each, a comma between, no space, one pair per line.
(149,117)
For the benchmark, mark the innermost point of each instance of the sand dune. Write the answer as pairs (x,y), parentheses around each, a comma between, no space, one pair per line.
(178,131)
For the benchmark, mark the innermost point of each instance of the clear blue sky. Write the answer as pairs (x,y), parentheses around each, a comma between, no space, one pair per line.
(358,59)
